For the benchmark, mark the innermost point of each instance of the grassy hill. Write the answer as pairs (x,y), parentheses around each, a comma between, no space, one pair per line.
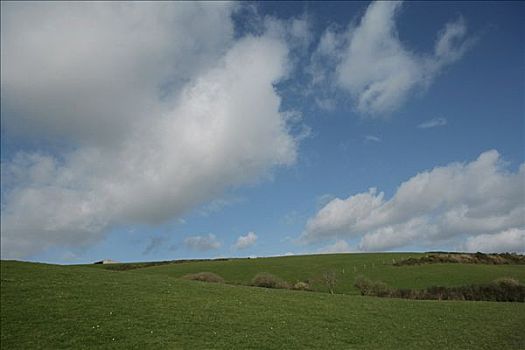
(81,307)
(376,266)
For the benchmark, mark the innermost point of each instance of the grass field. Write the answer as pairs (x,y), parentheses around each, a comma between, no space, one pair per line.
(80,307)
(347,266)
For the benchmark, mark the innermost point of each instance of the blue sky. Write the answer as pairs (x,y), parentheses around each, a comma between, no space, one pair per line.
(272,128)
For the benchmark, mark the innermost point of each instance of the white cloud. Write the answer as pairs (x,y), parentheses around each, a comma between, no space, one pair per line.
(372,138)
(341,216)
(339,246)
(166,109)
(372,64)
(511,240)
(327,104)
(202,243)
(246,241)
(451,43)
(444,204)
(296,31)
(326,54)
(391,236)
(432,123)
(92,71)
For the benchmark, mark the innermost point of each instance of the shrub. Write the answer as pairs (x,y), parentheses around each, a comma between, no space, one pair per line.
(301,286)
(372,288)
(503,289)
(465,258)
(363,284)
(507,281)
(381,289)
(204,277)
(507,289)
(267,280)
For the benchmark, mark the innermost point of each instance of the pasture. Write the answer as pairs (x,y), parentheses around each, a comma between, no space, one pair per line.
(84,307)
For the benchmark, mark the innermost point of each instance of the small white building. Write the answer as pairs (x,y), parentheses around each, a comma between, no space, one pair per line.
(106,261)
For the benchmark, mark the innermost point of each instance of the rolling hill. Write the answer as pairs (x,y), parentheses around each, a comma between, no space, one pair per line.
(57,307)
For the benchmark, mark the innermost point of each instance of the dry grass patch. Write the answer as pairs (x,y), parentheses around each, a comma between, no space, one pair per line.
(204,277)
(301,286)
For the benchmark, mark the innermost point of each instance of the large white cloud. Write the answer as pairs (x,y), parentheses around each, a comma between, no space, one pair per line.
(505,241)
(370,62)
(476,201)
(162,108)
(91,71)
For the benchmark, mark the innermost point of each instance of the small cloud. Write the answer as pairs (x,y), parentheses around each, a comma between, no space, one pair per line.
(202,243)
(247,241)
(291,218)
(432,123)
(155,243)
(372,138)
(326,104)
(340,246)
(289,254)
(217,205)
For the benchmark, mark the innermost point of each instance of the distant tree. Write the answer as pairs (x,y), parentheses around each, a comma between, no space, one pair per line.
(329,279)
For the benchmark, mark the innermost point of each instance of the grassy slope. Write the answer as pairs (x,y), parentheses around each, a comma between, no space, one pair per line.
(374,266)
(47,306)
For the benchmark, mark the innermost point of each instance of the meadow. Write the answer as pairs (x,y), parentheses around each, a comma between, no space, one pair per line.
(94,306)
(376,266)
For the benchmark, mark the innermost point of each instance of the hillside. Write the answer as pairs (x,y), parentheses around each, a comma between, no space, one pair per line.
(49,306)
(377,266)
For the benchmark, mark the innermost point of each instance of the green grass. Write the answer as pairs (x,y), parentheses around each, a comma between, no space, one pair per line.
(348,267)
(79,307)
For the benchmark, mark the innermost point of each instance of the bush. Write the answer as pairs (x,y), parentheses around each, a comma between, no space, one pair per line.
(465,258)
(507,289)
(503,289)
(267,280)
(372,288)
(407,293)
(507,281)
(301,286)
(204,277)
(381,289)
(363,284)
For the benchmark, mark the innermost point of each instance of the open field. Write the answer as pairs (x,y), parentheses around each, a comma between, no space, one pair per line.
(50,306)
(376,266)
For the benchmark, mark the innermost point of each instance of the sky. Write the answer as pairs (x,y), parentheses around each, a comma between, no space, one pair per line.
(141,131)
